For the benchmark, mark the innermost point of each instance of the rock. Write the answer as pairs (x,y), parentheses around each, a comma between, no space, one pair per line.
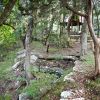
(55,70)
(33,59)
(24,96)
(81,98)
(21,57)
(66,94)
(17,65)
(69,77)
(44,69)
(21,52)
(19,83)
(63,99)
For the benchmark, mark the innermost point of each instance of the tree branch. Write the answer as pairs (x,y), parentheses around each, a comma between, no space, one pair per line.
(65,4)
(9,25)
(89,21)
(7,11)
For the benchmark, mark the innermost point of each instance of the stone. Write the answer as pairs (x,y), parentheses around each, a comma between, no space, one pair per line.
(21,52)
(66,94)
(58,71)
(55,70)
(23,96)
(81,98)
(17,84)
(21,57)
(33,59)
(16,65)
(69,77)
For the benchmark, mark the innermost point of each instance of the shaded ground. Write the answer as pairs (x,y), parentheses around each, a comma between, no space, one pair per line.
(74,50)
(54,93)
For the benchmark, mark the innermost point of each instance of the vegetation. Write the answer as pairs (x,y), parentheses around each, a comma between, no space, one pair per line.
(32,31)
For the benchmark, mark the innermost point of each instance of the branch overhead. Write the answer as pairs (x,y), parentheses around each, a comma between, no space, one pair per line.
(65,4)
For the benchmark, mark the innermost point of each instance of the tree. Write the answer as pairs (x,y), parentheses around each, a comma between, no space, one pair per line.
(27,65)
(88,17)
(27,11)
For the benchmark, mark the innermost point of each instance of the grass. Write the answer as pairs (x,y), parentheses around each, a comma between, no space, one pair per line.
(45,82)
(37,45)
(94,83)
(88,59)
(5,97)
(42,83)
(52,49)
(5,65)
(93,89)
(54,93)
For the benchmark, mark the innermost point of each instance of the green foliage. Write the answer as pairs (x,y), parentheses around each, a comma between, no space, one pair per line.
(37,45)
(7,38)
(75,17)
(54,39)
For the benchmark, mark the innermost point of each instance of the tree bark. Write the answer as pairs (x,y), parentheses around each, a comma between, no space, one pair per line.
(84,39)
(27,65)
(97,60)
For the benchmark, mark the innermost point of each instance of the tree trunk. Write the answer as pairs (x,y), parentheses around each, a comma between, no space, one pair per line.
(84,39)
(49,30)
(97,60)
(96,41)
(28,51)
